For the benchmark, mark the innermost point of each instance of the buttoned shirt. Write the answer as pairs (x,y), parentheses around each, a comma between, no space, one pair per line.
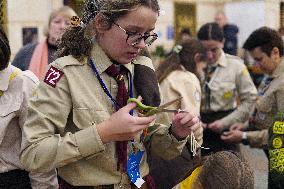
(267,106)
(15,89)
(230,81)
(62,124)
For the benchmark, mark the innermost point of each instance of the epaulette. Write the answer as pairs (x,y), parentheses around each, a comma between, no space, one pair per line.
(143,60)
(232,57)
(62,62)
(31,76)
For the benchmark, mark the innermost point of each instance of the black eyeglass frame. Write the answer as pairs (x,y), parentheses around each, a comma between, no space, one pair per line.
(145,37)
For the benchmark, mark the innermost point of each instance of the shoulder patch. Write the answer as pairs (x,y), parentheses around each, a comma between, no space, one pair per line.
(52,76)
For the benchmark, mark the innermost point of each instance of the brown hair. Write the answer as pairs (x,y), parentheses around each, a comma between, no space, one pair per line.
(226,170)
(5,51)
(77,41)
(185,58)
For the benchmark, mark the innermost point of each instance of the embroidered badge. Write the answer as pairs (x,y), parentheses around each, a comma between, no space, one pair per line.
(278,127)
(277,142)
(228,95)
(261,116)
(52,76)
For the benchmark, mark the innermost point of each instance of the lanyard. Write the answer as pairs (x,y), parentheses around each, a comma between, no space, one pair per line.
(103,85)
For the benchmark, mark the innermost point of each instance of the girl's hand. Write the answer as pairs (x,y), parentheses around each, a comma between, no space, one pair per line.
(122,126)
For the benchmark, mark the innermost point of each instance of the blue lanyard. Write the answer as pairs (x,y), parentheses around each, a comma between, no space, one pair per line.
(103,85)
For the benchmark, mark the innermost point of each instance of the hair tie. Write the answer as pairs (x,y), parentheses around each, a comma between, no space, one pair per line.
(77,22)
(177,49)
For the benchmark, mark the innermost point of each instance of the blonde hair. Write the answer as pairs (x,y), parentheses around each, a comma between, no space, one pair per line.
(65,11)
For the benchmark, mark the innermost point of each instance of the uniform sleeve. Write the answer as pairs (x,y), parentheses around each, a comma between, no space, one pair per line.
(258,139)
(280,99)
(38,180)
(45,149)
(247,95)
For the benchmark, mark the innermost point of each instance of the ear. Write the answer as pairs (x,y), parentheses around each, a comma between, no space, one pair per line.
(197,58)
(275,52)
(101,23)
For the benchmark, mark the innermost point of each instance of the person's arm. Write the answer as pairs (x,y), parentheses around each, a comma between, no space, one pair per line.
(46,180)
(258,139)
(247,94)
(45,149)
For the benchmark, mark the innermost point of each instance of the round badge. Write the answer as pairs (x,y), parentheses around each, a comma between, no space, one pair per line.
(277,142)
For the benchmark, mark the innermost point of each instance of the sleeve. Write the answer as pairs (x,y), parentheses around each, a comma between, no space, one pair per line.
(247,94)
(258,139)
(280,99)
(48,111)
(23,57)
(162,143)
(38,180)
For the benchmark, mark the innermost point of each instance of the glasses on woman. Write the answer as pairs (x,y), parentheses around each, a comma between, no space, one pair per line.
(134,38)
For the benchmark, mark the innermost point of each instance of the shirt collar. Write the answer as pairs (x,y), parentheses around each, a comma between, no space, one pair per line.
(222,61)
(279,69)
(4,78)
(102,61)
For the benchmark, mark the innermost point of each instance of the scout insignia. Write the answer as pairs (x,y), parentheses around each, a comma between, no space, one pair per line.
(52,76)
(75,21)
(278,127)
(277,142)
(228,95)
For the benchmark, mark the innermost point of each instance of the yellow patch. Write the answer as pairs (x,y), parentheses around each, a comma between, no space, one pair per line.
(276,158)
(277,142)
(228,95)
(278,127)
(1,93)
(245,72)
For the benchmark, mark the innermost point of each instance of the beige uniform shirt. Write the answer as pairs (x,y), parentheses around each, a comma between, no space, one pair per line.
(15,89)
(63,116)
(182,83)
(231,80)
(267,106)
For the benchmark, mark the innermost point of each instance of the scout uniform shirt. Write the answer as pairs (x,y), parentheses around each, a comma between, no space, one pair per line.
(230,80)
(182,83)
(63,116)
(15,89)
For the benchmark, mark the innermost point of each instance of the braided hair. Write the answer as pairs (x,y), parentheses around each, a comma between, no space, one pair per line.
(5,51)
(78,40)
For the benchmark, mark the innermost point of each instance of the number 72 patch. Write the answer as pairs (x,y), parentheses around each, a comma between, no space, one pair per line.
(52,76)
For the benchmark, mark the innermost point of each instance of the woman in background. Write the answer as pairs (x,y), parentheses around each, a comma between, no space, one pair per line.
(37,56)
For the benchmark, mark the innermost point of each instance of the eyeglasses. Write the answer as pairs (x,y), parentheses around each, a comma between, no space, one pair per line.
(134,38)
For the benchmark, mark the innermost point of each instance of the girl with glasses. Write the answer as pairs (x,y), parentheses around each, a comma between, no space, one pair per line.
(79,121)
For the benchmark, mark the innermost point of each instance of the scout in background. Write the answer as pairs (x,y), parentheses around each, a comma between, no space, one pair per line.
(79,121)
(266,47)
(177,77)
(37,56)
(15,89)
(225,80)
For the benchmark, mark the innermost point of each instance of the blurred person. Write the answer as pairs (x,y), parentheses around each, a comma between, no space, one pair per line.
(226,79)
(230,33)
(15,89)
(222,170)
(185,34)
(176,76)
(79,120)
(266,128)
(36,56)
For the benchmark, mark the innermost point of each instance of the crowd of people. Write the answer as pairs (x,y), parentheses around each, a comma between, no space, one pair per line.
(66,121)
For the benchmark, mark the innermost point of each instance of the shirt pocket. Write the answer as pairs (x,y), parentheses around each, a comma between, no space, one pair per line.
(224,92)
(86,117)
(9,105)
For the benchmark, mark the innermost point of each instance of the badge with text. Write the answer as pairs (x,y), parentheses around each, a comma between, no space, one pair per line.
(133,168)
(52,76)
